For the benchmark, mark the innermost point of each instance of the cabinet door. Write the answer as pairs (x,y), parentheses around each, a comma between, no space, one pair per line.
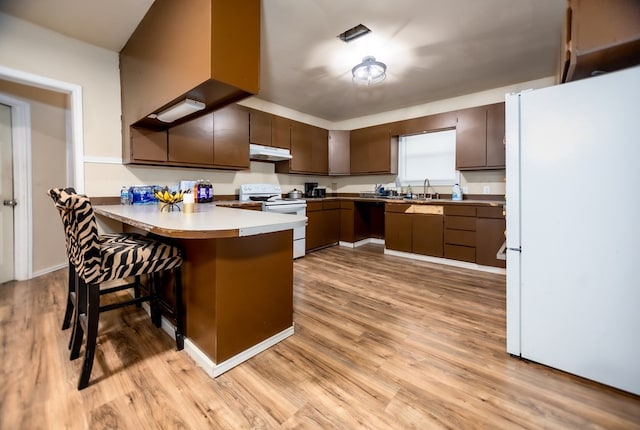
(397,231)
(260,128)
(373,150)
(331,233)
(313,234)
(427,235)
(192,142)
(489,238)
(148,145)
(471,138)
(495,136)
(301,148)
(347,233)
(339,155)
(319,151)
(380,150)
(359,152)
(231,137)
(280,132)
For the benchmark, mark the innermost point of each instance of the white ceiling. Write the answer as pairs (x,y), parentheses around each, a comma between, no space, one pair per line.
(434,49)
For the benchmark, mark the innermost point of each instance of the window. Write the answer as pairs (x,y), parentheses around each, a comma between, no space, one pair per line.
(429,155)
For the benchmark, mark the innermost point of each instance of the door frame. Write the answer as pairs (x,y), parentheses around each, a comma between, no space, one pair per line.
(21,142)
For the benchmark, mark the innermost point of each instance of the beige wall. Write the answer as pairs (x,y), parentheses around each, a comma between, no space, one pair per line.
(48,163)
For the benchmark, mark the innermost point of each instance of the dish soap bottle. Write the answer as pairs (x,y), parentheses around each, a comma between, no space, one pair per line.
(456,195)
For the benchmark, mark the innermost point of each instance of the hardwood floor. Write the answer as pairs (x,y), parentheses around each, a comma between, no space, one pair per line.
(381,343)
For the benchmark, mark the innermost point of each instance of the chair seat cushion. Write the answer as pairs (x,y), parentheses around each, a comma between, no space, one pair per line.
(132,254)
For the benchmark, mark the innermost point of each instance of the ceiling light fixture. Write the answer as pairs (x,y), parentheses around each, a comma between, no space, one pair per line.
(354,33)
(183,108)
(369,72)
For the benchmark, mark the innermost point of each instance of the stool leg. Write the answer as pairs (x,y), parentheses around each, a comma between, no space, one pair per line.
(66,322)
(136,290)
(93,314)
(156,315)
(80,311)
(177,289)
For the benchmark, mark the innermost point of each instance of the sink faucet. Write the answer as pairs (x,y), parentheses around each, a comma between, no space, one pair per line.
(426,185)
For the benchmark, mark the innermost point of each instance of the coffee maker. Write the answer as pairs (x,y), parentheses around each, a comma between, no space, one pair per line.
(308,189)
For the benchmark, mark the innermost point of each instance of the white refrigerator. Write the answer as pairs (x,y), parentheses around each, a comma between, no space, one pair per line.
(573,227)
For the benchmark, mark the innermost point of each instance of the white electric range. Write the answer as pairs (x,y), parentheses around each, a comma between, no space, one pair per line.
(271,197)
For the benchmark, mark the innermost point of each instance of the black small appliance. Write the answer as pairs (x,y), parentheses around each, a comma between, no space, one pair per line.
(308,189)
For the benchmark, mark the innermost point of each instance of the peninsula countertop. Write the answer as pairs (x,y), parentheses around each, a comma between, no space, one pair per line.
(208,221)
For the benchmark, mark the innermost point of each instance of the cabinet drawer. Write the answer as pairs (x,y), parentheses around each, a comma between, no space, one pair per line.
(460,223)
(460,210)
(490,212)
(331,205)
(346,205)
(314,206)
(460,237)
(397,208)
(462,253)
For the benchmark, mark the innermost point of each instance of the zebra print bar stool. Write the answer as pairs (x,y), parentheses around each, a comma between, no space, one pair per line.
(97,261)
(67,222)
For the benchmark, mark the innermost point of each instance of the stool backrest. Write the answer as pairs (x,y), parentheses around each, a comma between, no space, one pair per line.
(81,229)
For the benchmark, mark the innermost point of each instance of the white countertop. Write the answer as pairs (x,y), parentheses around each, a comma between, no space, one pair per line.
(208,220)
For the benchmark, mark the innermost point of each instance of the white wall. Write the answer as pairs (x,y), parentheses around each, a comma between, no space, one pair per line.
(32,49)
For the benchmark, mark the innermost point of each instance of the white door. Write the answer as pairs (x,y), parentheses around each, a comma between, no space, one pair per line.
(6,196)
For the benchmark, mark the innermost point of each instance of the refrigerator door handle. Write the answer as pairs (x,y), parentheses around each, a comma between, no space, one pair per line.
(518,249)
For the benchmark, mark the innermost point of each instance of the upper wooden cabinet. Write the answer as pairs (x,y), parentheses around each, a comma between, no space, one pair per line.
(182,50)
(260,127)
(148,146)
(280,132)
(309,150)
(339,152)
(374,150)
(480,138)
(218,140)
(599,36)
(231,138)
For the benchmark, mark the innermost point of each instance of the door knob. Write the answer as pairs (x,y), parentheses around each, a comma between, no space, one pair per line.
(11,202)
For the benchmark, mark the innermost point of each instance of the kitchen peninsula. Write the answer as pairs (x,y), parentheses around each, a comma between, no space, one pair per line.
(237,276)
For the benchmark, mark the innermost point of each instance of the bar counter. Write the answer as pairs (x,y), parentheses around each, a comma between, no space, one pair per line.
(237,276)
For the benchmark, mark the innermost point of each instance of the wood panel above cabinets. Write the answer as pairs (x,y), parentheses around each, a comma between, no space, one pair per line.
(374,151)
(480,138)
(424,124)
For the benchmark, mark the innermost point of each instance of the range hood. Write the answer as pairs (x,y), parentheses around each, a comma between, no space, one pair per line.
(268,153)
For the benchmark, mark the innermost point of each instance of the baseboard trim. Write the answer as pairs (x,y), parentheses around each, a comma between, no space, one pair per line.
(216,369)
(362,242)
(49,270)
(446,261)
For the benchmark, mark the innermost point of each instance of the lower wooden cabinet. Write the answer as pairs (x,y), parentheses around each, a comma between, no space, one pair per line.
(398,231)
(490,235)
(427,235)
(323,224)
(460,233)
(409,230)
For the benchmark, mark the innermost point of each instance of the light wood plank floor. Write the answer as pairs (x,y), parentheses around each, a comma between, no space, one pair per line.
(381,343)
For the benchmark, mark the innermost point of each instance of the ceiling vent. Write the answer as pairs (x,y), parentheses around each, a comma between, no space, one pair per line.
(354,33)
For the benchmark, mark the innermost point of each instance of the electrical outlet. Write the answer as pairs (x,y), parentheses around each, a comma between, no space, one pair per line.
(486,189)
(465,190)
